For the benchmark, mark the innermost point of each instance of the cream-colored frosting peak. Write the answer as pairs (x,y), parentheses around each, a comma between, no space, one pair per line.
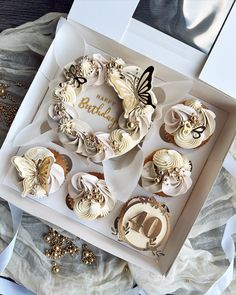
(93,69)
(167,159)
(62,110)
(138,121)
(169,172)
(121,141)
(87,210)
(190,123)
(92,196)
(65,93)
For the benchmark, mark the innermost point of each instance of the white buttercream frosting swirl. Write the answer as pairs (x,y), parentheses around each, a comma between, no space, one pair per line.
(138,121)
(190,123)
(29,169)
(92,198)
(62,110)
(64,93)
(93,68)
(169,172)
(121,141)
(167,159)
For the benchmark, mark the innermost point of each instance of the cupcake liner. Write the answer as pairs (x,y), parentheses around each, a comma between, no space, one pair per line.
(62,161)
(169,138)
(150,158)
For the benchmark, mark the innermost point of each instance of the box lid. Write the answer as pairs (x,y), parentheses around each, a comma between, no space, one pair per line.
(220,67)
(109,18)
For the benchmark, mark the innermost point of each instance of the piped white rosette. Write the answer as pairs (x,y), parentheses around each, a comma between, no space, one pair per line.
(91,196)
(168,172)
(134,89)
(189,123)
(39,173)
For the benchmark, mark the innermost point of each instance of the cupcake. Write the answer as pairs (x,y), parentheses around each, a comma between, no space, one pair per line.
(89,196)
(41,171)
(166,172)
(143,223)
(189,124)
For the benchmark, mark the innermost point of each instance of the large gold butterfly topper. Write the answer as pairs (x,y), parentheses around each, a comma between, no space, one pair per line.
(134,90)
(35,175)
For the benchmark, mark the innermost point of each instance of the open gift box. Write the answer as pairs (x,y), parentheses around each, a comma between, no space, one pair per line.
(207,160)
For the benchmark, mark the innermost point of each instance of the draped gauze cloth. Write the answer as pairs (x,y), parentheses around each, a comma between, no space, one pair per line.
(199,263)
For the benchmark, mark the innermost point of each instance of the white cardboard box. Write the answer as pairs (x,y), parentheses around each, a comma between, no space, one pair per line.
(204,181)
(222,59)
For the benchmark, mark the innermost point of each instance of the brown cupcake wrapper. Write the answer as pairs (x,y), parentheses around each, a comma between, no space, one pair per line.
(70,202)
(97,174)
(60,160)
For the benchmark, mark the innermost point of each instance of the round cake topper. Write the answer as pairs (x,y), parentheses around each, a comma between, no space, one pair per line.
(131,86)
(143,223)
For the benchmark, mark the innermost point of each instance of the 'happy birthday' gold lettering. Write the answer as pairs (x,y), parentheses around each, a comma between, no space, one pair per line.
(105,99)
(98,110)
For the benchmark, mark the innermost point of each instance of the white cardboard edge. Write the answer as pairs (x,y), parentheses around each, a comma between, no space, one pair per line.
(219,69)
(110,12)
(192,208)
(134,34)
(79,230)
(164,48)
(200,191)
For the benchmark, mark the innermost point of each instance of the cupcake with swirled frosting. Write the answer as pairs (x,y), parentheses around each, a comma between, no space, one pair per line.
(120,141)
(89,197)
(166,172)
(42,171)
(189,124)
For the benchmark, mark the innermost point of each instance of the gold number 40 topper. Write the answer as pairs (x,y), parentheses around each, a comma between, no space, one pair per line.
(144,224)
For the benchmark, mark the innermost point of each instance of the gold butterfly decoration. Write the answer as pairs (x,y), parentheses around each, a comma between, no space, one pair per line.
(35,175)
(134,90)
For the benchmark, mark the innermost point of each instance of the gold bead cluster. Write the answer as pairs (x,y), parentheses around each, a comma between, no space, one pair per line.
(61,246)
(114,64)
(116,146)
(162,174)
(92,142)
(93,195)
(87,256)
